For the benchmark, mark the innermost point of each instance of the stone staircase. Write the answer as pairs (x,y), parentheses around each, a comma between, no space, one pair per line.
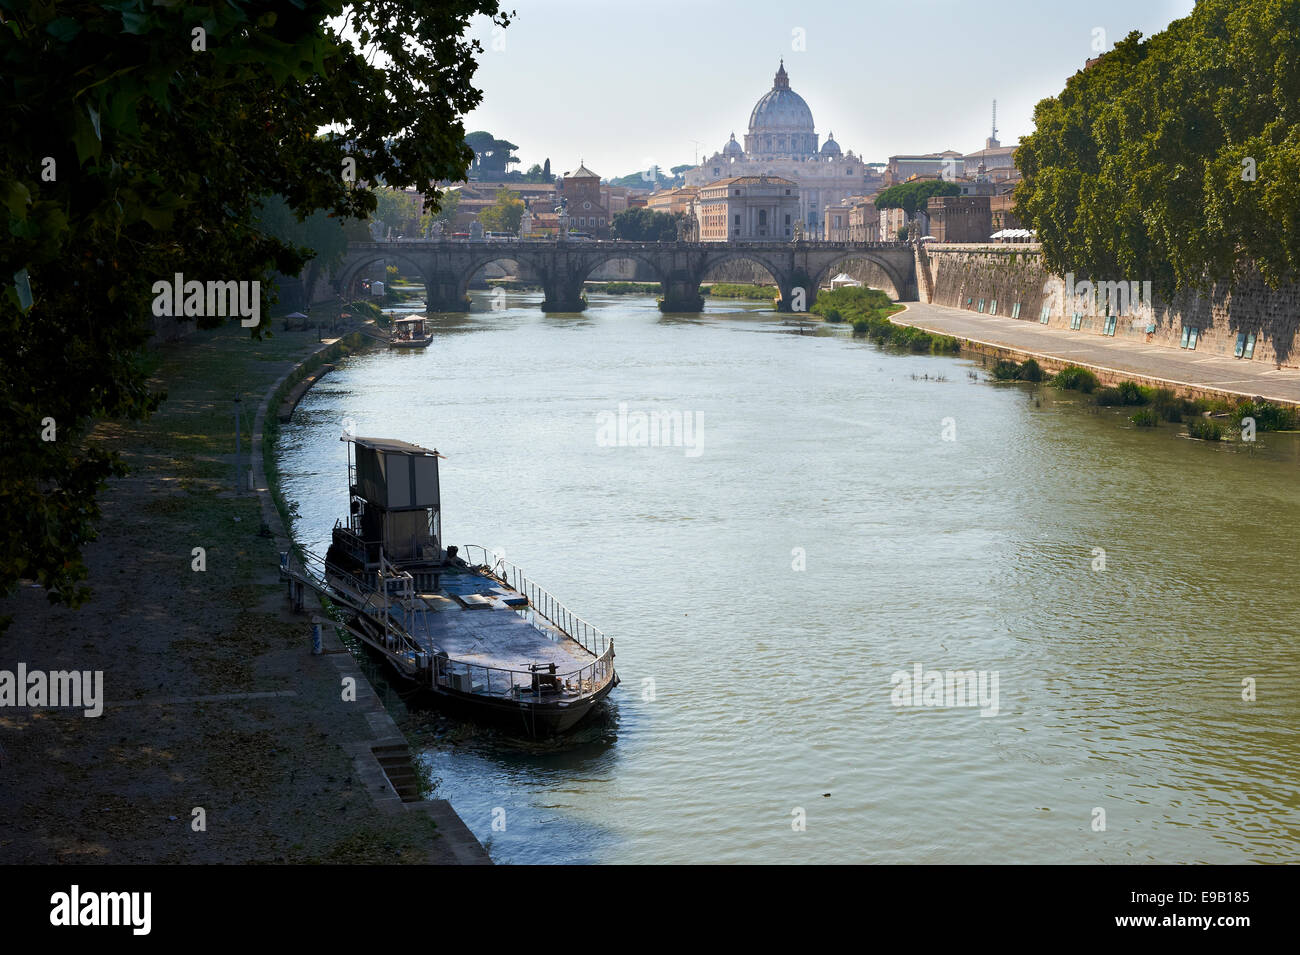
(395,760)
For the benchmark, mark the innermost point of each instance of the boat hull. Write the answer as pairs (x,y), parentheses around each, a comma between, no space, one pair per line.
(532,717)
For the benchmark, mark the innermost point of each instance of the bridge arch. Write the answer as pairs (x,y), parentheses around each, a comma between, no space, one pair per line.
(776,265)
(590,262)
(356,261)
(899,290)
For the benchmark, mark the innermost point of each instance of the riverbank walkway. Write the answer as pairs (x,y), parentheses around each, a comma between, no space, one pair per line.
(222,738)
(1187,370)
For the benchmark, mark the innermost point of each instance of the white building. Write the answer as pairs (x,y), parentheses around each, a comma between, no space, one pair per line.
(748,209)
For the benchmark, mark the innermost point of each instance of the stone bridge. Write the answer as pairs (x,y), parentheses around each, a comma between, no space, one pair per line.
(448,265)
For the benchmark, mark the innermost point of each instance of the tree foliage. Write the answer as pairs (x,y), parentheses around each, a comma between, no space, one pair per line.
(504,214)
(491,155)
(448,206)
(913,196)
(139,140)
(1140,169)
(645,225)
(397,209)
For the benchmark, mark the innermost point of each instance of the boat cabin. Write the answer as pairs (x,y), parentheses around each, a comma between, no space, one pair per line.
(395,515)
(410,331)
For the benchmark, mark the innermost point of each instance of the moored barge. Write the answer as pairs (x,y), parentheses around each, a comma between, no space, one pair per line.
(460,622)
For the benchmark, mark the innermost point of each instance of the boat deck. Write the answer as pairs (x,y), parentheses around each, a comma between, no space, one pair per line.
(470,620)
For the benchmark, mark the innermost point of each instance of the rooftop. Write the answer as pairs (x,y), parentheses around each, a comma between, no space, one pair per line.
(390,445)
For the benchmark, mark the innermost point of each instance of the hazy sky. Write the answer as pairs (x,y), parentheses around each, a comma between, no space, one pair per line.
(621,84)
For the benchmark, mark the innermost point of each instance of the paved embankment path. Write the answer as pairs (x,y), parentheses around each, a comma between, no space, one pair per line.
(1186,369)
(213,700)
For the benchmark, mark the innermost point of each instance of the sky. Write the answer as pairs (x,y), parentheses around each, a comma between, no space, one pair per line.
(623,85)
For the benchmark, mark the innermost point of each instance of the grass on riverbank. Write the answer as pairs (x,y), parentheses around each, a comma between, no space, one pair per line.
(868,311)
(752,293)
(1157,404)
(624,288)
(179,648)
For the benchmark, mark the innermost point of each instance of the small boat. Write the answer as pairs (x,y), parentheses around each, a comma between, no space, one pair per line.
(410,333)
(459,622)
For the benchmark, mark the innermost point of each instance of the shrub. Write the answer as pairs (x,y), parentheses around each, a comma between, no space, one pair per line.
(832,315)
(1074,378)
(1006,370)
(1167,405)
(1031,371)
(1268,416)
(1205,429)
(1145,418)
(1133,393)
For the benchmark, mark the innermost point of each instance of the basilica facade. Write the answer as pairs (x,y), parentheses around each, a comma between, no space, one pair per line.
(782,142)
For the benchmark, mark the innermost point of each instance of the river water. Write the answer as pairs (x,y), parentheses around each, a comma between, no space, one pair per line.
(840,516)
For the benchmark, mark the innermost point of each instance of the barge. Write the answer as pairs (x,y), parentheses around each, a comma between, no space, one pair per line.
(460,622)
(410,333)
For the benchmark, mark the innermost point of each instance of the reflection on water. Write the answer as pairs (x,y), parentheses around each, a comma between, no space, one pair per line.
(753,689)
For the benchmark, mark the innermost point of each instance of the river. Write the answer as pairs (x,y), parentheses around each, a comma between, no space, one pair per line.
(841,515)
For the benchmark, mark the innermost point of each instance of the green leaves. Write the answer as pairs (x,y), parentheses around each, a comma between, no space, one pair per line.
(1136,168)
(162,153)
(15,197)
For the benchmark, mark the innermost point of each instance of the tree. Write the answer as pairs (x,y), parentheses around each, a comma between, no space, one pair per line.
(492,156)
(447,206)
(143,140)
(546,170)
(645,225)
(1175,159)
(912,196)
(396,209)
(504,214)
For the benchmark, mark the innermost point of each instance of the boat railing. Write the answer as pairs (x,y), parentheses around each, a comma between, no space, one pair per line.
(540,602)
(585,681)
(350,541)
(362,597)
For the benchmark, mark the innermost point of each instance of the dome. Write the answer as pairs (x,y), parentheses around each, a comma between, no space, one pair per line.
(781,124)
(781,108)
(830,147)
(732,149)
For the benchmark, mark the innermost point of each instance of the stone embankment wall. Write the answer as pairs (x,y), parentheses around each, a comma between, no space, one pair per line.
(1004,276)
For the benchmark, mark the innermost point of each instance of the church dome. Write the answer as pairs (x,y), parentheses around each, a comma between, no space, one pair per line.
(781,123)
(830,147)
(732,150)
(781,108)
